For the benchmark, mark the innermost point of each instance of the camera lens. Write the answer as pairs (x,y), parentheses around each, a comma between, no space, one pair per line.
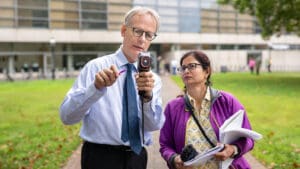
(145,62)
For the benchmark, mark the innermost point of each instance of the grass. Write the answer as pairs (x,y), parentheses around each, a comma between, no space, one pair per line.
(32,135)
(271,102)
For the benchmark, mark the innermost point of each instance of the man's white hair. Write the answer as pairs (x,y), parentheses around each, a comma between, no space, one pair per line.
(141,10)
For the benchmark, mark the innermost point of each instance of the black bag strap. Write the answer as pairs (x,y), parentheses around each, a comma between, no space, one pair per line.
(191,110)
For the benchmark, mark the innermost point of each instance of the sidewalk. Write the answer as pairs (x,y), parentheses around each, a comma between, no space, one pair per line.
(169,91)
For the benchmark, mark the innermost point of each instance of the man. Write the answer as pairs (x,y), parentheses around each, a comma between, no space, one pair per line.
(99,99)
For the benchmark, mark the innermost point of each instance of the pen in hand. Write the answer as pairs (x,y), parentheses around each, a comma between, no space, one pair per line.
(122,71)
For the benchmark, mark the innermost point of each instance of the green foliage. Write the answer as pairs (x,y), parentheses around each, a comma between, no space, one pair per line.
(32,135)
(272,105)
(275,17)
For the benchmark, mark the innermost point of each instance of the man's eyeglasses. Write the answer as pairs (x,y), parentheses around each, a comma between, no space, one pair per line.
(139,32)
(190,67)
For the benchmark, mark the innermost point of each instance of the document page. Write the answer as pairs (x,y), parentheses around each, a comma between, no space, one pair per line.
(202,158)
(232,130)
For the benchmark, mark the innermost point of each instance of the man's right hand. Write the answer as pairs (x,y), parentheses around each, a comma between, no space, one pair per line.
(106,77)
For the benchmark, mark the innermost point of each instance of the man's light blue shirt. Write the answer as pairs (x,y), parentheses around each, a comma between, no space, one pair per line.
(101,110)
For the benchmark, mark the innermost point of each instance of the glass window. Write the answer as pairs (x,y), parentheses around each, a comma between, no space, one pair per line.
(295,47)
(33,13)
(244,47)
(257,28)
(93,25)
(209,4)
(209,22)
(30,13)
(167,3)
(189,20)
(33,3)
(93,6)
(227,23)
(169,20)
(33,18)
(33,23)
(189,3)
(227,47)
(168,11)
(168,28)
(64,14)
(64,5)
(65,24)
(7,17)
(227,15)
(94,20)
(209,47)
(94,15)
(144,2)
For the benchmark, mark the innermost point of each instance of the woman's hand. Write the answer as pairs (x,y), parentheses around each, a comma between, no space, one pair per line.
(178,163)
(226,153)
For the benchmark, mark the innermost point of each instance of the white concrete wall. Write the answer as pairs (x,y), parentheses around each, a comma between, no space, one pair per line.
(285,60)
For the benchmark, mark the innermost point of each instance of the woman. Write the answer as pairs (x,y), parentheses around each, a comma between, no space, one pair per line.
(210,107)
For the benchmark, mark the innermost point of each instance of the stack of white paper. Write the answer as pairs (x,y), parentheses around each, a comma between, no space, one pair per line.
(202,158)
(230,131)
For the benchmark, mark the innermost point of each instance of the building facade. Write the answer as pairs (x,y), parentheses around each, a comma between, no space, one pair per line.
(68,33)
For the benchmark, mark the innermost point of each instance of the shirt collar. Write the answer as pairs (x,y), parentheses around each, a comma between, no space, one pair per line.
(122,60)
(207,97)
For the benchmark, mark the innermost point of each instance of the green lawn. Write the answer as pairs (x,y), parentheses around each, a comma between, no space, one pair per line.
(32,135)
(271,102)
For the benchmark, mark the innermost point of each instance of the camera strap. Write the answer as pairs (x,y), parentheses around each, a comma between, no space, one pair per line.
(143,123)
(191,110)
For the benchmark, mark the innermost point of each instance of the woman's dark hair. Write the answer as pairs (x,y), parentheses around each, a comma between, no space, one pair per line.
(203,60)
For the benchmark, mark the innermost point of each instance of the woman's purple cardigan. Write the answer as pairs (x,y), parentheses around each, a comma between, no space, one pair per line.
(223,105)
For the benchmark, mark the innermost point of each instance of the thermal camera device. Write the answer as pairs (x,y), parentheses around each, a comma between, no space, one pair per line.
(144,65)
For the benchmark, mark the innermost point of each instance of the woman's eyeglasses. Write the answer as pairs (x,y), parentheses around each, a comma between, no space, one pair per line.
(139,32)
(189,67)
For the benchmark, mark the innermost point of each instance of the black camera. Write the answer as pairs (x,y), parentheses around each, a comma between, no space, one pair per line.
(144,65)
(144,62)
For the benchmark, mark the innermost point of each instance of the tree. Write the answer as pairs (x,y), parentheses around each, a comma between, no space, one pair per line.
(274,16)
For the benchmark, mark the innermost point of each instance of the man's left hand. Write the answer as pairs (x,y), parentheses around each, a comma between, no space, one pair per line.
(145,82)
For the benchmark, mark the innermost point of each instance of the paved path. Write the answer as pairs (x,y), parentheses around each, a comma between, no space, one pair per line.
(155,161)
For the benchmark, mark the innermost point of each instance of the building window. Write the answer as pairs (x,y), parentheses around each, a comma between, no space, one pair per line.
(227,47)
(33,13)
(94,15)
(64,14)
(7,13)
(244,47)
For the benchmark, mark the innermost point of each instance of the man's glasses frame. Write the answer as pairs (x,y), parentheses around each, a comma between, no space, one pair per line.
(189,67)
(140,32)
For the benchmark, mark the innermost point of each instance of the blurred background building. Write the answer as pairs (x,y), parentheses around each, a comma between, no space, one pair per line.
(42,35)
